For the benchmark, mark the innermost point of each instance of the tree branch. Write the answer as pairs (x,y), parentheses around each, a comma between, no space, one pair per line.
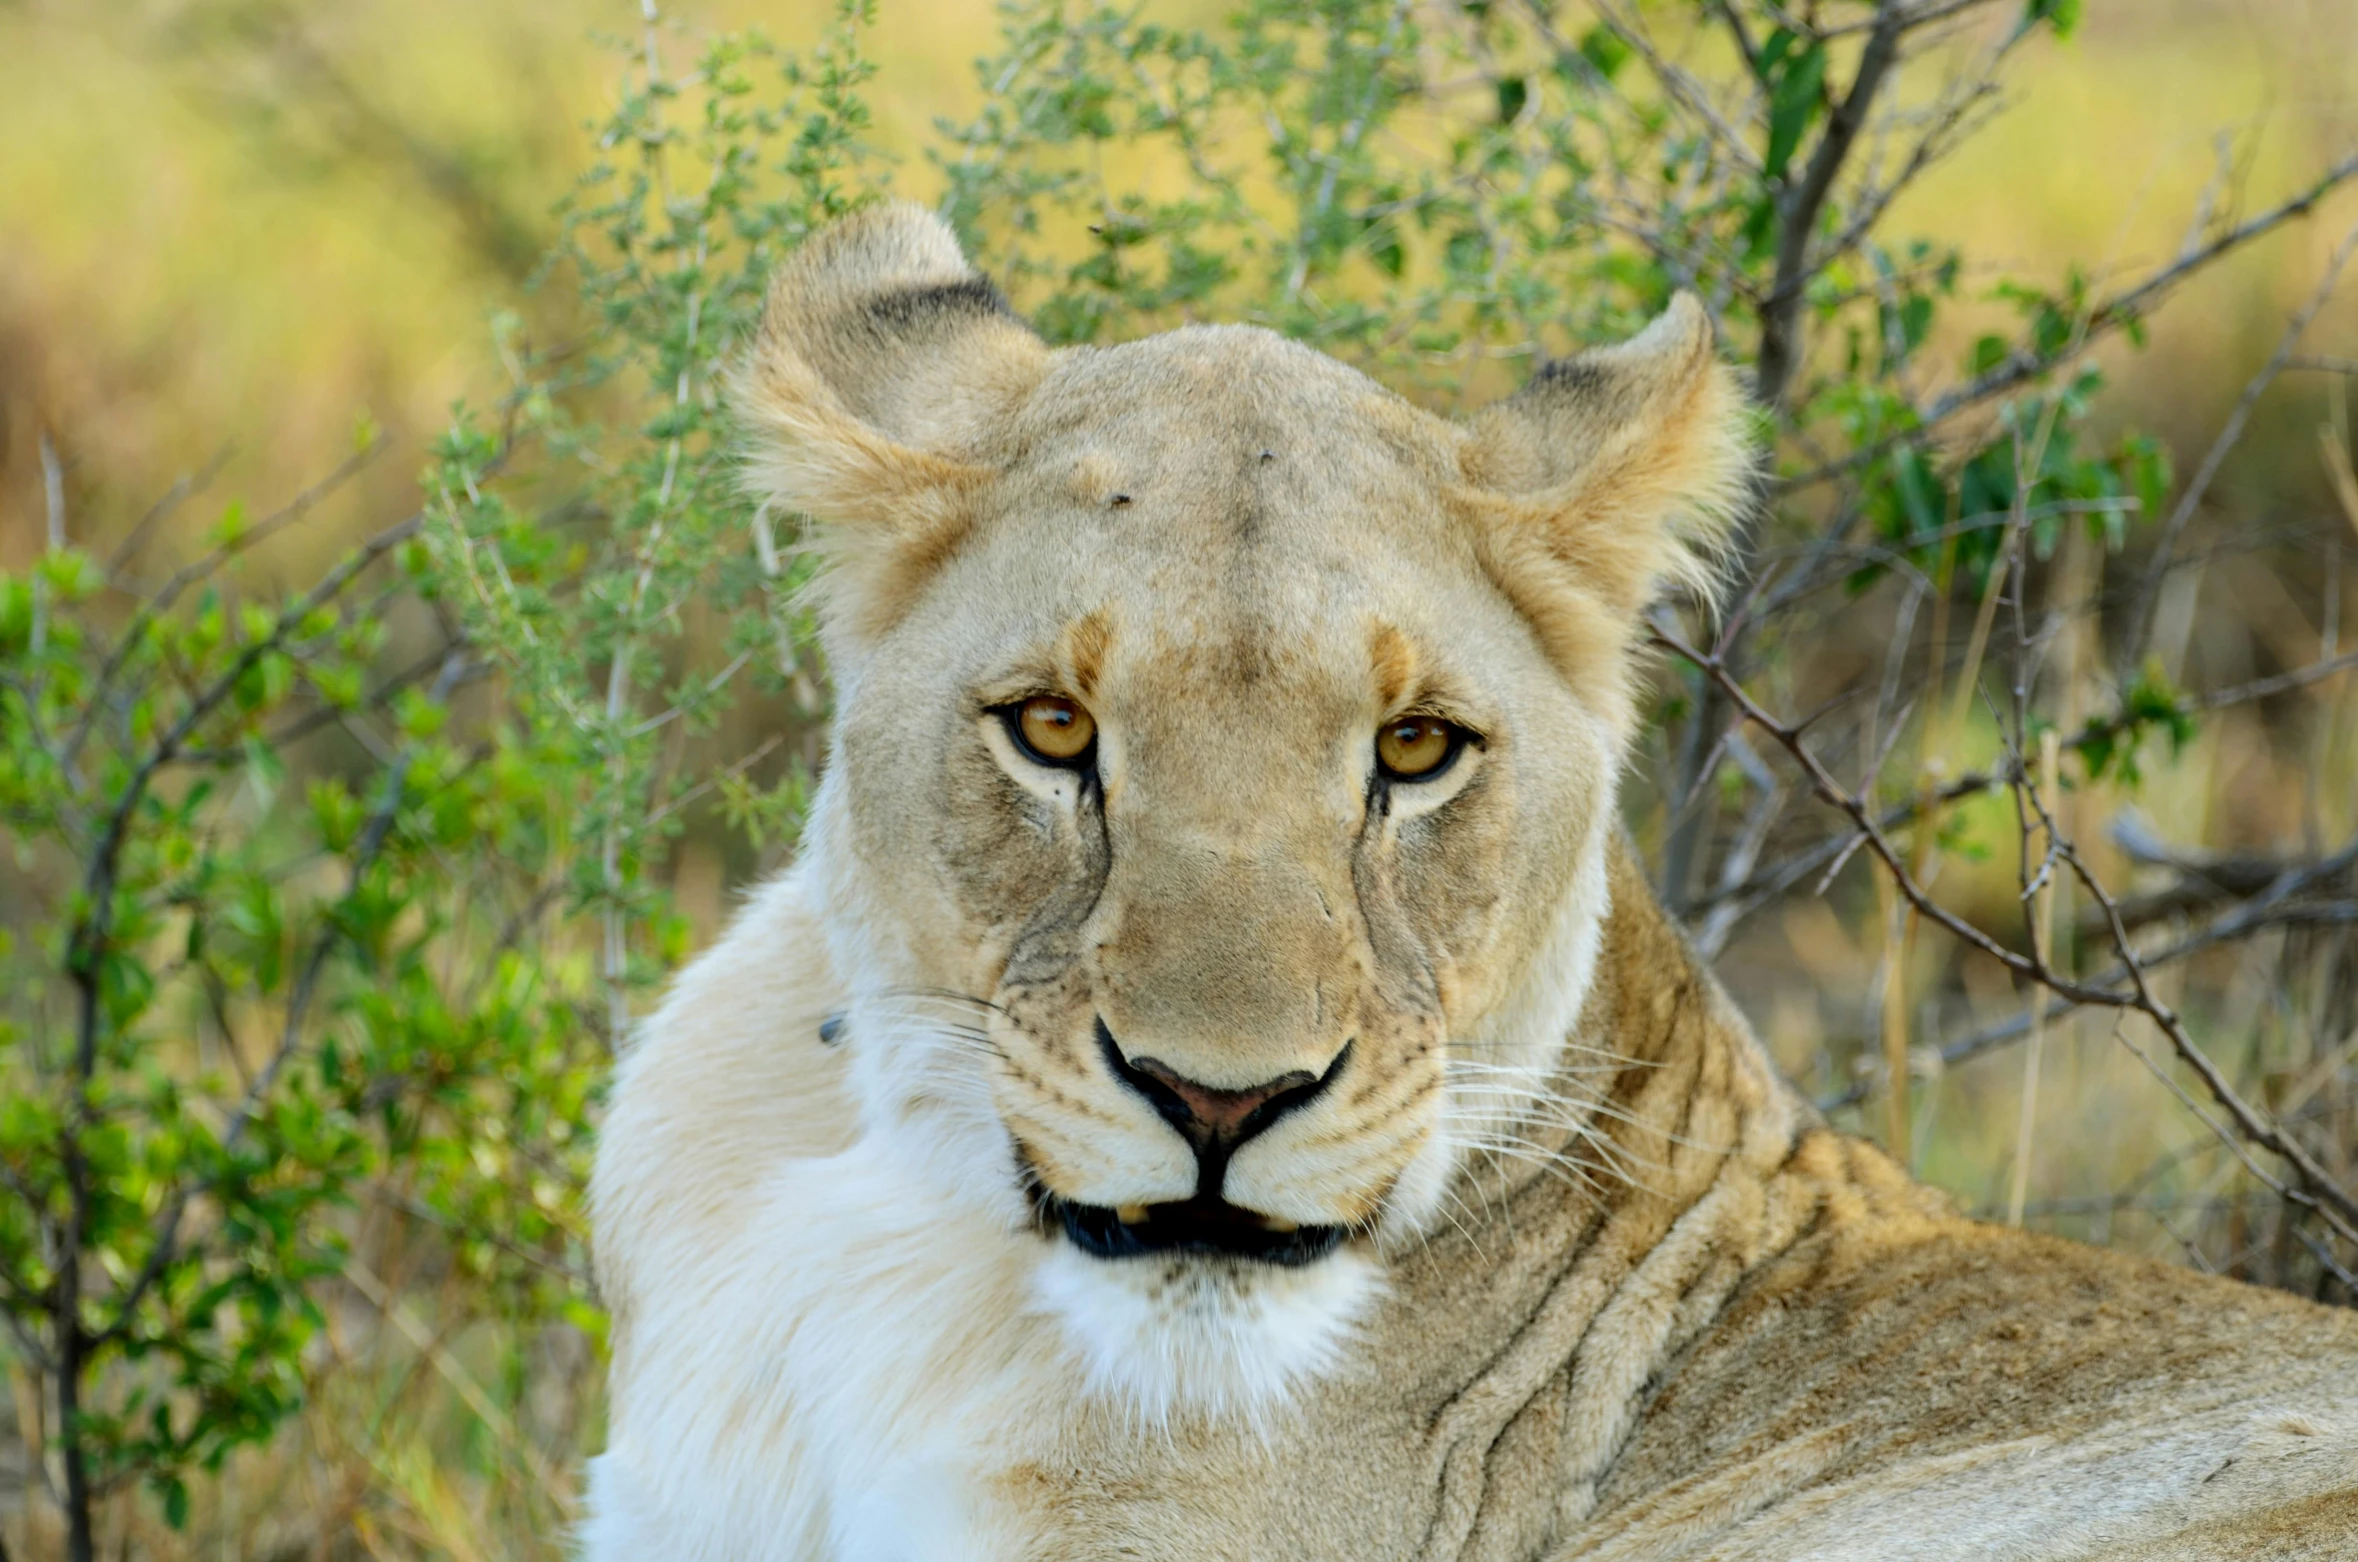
(2316,1190)
(2025,364)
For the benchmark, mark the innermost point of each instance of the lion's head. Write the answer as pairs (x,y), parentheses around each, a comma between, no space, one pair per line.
(1224,766)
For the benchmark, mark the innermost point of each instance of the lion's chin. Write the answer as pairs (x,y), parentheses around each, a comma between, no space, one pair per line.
(1186,1334)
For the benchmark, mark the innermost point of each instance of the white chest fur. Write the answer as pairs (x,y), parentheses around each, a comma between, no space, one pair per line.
(845,1384)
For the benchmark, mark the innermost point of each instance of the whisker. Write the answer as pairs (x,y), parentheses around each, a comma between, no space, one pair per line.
(1462,1231)
(944,995)
(1619,1157)
(1540,1070)
(1616,1059)
(1571,1175)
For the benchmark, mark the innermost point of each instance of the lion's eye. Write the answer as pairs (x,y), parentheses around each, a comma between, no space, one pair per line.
(1417,748)
(1053,730)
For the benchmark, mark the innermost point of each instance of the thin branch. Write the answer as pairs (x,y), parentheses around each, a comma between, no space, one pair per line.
(53,492)
(160,601)
(2317,1189)
(184,487)
(366,849)
(2230,435)
(1799,206)
(2229,928)
(1768,883)
(1682,88)
(2026,364)
(1917,17)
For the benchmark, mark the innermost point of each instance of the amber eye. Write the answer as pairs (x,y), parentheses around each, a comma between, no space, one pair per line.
(1417,748)
(1053,730)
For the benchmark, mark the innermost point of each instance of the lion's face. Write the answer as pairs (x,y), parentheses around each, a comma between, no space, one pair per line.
(1224,764)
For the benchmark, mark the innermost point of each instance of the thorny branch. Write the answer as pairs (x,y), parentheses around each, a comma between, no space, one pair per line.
(2191,497)
(2313,1187)
(2120,310)
(1763,884)
(1798,206)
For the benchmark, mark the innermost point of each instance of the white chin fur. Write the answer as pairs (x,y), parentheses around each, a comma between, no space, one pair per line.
(1158,1338)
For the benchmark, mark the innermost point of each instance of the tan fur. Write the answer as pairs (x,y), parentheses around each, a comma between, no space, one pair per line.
(1635,1301)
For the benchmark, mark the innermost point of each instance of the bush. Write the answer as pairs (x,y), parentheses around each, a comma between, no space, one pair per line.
(335,903)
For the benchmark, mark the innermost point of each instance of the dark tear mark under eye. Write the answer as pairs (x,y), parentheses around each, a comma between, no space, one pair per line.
(1044,948)
(1089,799)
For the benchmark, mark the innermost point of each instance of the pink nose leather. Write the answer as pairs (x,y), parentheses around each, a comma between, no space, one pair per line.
(1221,1112)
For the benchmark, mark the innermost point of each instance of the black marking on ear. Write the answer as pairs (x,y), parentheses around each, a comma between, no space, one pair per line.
(1119,502)
(920,306)
(1576,375)
(831,1029)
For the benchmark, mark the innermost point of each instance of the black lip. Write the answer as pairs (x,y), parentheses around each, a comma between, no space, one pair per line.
(1202,1226)
(1205,1224)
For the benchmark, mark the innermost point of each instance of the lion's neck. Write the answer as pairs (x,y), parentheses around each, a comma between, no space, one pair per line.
(1646,1193)
(1651,1089)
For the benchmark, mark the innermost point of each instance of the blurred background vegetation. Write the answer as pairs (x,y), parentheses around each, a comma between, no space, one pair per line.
(253,253)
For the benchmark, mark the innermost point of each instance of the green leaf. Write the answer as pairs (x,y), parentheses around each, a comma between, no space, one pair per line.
(2062,15)
(1513,93)
(418,716)
(1793,104)
(1603,49)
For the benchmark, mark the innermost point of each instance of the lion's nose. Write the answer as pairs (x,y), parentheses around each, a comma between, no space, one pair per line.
(1221,1113)
(1214,1119)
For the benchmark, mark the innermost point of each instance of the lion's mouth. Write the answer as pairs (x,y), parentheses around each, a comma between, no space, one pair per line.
(1198,1225)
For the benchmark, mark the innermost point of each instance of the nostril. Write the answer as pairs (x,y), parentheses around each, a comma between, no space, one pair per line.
(1222,1111)
(1215,1120)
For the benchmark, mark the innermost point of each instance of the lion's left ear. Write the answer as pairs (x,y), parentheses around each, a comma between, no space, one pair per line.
(1609,476)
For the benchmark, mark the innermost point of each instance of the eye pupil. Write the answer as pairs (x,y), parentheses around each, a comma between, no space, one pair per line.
(1415,747)
(1055,730)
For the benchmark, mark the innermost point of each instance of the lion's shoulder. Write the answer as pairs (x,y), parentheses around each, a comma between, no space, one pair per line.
(727,1077)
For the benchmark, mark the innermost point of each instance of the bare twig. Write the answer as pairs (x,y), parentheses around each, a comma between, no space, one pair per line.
(1768,882)
(52,492)
(2230,434)
(197,570)
(2121,309)
(183,488)
(2316,1189)
(2228,929)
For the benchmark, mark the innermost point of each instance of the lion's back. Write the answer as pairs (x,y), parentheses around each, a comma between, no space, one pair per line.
(1945,1388)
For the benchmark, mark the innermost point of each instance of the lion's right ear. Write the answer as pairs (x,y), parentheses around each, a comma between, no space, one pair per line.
(884,365)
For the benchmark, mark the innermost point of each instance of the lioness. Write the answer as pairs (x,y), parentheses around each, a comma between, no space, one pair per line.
(1215,1086)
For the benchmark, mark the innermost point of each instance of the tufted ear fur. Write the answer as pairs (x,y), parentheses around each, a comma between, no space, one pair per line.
(884,364)
(1610,475)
